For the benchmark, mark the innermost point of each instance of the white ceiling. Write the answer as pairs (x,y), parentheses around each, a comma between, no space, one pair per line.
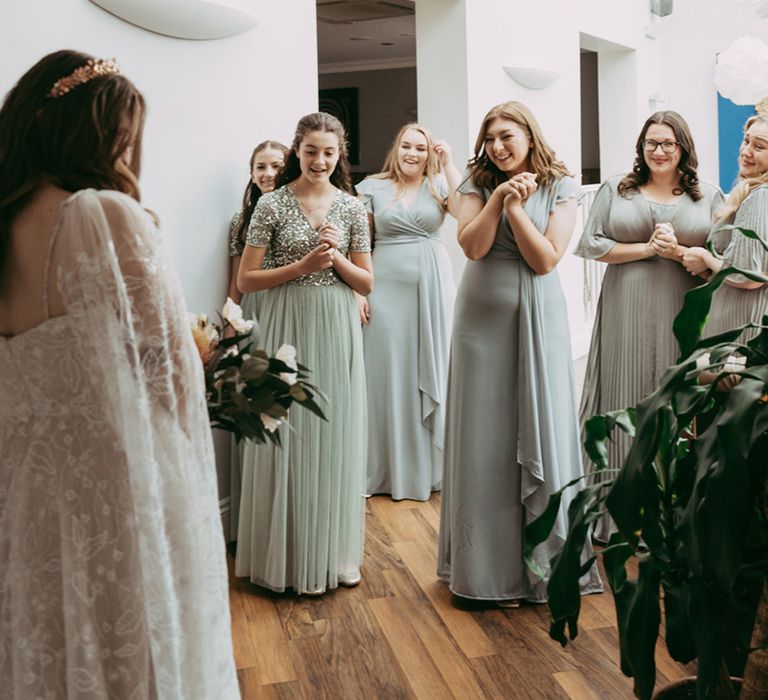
(371,41)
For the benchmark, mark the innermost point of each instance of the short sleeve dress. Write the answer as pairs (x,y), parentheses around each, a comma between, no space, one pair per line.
(407,340)
(512,437)
(732,306)
(632,340)
(301,510)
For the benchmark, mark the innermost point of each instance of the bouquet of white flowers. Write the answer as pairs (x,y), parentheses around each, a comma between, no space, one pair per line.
(248,393)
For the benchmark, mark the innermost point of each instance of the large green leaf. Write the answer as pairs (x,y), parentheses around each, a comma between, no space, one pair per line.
(641,628)
(690,322)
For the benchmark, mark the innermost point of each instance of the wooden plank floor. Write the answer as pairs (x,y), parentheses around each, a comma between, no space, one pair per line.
(401,634)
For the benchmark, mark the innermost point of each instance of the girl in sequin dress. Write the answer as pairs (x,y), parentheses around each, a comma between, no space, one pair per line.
(301,511)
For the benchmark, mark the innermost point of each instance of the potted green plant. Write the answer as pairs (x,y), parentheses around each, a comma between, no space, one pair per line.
(690,506)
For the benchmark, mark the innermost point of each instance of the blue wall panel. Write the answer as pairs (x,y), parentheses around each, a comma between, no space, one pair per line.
(730,122)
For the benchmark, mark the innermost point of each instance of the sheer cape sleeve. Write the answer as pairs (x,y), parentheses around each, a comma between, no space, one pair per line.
(111,272)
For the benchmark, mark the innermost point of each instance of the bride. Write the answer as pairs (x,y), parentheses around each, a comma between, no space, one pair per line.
(112,570)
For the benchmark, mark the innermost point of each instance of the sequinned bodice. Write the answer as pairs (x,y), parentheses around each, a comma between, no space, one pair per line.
(279,225)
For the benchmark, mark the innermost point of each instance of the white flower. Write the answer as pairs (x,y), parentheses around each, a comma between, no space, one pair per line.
(741,72)
(702,361)
(233,314)
(271,424)
(287,354)
(735,363)
(205,334)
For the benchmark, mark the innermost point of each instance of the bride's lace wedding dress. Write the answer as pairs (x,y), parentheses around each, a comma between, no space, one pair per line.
(112,571)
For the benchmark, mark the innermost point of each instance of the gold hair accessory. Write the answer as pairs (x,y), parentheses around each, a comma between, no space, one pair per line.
(762,108)
(92,69)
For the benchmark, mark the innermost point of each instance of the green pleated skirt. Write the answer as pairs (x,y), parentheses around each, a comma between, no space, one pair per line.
(301,518)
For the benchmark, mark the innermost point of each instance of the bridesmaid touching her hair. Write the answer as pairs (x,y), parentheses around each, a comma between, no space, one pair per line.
(408,316)
(512,437)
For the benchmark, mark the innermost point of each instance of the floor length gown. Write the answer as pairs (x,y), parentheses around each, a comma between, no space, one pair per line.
(632,340)
(407,341)
(113,581)
(301,510)
(733,307)
(512,437)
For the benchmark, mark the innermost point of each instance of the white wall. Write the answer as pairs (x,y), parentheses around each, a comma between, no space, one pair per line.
(690,39)
(209,103)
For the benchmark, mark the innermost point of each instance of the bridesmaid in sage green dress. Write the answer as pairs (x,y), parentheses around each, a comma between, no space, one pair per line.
(512,438)
(266,162)
(641,224)
(301,511)
(741,300)
(407,318)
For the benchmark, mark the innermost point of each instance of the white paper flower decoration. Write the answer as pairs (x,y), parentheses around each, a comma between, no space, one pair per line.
(741,73)
(760,6)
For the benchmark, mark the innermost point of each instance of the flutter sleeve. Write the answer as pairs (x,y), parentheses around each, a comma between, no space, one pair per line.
(468,186)
(235,244)
(359,233)
(364,191)
(263,223)
(565,188)
(594,242)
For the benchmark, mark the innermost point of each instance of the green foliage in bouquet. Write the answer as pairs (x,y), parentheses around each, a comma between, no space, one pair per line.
(689,503)
(249,393)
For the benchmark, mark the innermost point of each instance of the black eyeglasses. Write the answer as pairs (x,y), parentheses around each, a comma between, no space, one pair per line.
(666,146)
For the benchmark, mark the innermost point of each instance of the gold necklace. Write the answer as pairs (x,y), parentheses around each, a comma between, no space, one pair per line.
(326,200)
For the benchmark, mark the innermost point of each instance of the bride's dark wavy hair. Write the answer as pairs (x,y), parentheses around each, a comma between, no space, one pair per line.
(73,141)
(641,173)
(318,121)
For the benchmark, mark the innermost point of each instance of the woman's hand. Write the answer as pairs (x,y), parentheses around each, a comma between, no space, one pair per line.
(363,308)
(664,242)
(518,189)
(442,150)
(696,260)
(330,235)
(319,258)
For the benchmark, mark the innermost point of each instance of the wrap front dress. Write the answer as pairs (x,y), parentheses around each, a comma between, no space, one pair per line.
(512,437)
(407,340)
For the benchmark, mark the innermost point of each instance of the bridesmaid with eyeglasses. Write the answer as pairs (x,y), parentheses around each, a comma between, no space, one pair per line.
(641,224)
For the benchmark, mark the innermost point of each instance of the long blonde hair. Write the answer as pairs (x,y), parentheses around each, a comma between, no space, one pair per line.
(744,186)
(544,162)
(391,169)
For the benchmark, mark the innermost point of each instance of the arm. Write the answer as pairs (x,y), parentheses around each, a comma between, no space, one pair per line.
(251,278)
(478,222)
(452,177)
(542,251)
(356,271)
(628,252)
(234,265)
